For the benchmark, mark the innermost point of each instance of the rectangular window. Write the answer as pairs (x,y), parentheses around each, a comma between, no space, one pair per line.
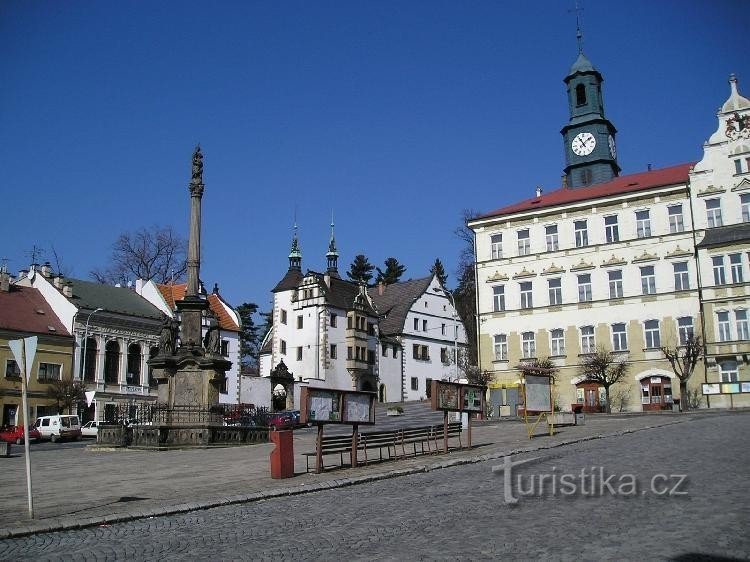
(619,337)
(283,316)
(713,213)
(528,345)
(11,369)
(349,352)
(496,241)
(584,288)
(333,320)
(225,348)
(299,354)
(742,326)
(299,322)
(648,280)
(283,347)
(720,277)
(681,278)
(735,267)
(414,383)
(738,166)
(653,339)
(524,242)
(501,347)
(615,284)
(587,339)
(416,324)
(444,356)
(745,206)
(385,350)
(415,351)
(725,333)
(558,342)
(49,372)
(676,223)
(684,329)
(611,230)
(370,356)
(498,298)
(424,325)
(442,329)
(395,352)
(333,351)
(555,291)
(526,295)
(582,233)
(728,371)
(642,224)
(349,322)
(551,237)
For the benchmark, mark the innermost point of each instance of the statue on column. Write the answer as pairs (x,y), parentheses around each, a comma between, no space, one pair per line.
(197,175)
(168,337)
(212,340)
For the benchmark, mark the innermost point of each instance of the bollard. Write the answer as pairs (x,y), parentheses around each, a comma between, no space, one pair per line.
(282,457)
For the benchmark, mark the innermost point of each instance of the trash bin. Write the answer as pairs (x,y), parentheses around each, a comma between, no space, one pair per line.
(4,449)
(676,406)
(282,457)
(580,418)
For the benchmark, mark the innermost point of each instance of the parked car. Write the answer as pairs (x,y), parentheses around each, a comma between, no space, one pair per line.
(90,429)
(284,420)
(58,427)
(14,434)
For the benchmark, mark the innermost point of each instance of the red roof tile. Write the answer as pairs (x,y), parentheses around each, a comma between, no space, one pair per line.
(216,304)
(623,184)
(24,309)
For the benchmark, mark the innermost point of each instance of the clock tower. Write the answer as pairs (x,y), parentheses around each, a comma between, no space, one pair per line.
(589,137)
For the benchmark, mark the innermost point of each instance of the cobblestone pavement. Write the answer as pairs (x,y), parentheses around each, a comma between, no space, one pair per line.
(462,512)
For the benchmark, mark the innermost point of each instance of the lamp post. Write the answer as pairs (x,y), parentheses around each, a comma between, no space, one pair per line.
(455,333)
(85,341)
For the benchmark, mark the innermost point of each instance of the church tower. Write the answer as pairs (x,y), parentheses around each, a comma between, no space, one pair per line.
(589,137)
(332,255)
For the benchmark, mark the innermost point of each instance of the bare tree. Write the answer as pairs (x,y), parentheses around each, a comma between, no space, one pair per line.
(156,253)
(465,294)
(604,368)
(66,393)
(683,359)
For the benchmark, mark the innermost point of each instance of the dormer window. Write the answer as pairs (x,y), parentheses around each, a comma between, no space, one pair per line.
(580,95)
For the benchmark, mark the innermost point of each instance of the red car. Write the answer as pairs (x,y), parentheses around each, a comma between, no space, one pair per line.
(14,434)
(284,420)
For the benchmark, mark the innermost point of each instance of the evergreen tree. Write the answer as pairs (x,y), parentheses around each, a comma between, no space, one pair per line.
(466,291)
(392,274)
(249,334)
(439,270)
(360,269)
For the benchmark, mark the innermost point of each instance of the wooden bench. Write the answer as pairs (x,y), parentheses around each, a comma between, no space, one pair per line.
(378,440)
(332,445)
(438,434)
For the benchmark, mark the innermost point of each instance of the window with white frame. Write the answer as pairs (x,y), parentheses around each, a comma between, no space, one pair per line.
(611,230)
(416,324)
(643,224)
(282,345)
(728,371)
(501,347)
(334,318)
(743,333)
(615,284)
(725,331)
(528,345)
(557,341)
(676,222)
(524,242)
(713,213)
(496,241)
(424,325)
(648,280)
(653,339)
(584,288)
(498,298)
(550,232)
(12,369)
(619,337)
(555,291)
(681,278)
(588,345)
(49,371)
(735,267)
(745,206)
(581,233)
(526,295)
(685,329)
(283,316)
(720,276)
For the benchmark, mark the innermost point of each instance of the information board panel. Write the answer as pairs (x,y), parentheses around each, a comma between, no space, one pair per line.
(457,397)
(538,390)
(330,405)
(359,408)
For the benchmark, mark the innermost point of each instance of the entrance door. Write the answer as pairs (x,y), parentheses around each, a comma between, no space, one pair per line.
(9,414)
(591,396)
(656,393)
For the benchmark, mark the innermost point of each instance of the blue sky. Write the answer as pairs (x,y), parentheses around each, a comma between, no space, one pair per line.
(392,115)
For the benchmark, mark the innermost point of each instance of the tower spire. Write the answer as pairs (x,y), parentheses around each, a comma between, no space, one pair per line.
(579,33)
(295,255)
(332,254)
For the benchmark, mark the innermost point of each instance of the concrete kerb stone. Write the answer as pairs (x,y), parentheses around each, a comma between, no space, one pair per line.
(58,525)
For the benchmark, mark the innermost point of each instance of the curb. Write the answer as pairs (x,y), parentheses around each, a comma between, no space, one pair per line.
(68,525)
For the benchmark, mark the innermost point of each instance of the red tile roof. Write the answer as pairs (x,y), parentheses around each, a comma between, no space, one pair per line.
(216,304)
(24,309)
(623,184)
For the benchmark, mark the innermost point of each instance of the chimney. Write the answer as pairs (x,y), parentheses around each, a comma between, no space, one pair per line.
(564,181)
(58,281)
(649,167)
(538,191)
(381,288)
(23,273)
(4,281)
(68,289)
(216,289)
(46,270)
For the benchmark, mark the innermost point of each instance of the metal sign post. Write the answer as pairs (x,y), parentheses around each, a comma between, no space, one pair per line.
(25,361)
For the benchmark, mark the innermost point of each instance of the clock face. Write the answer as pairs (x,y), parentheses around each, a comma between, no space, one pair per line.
(583,144)
(612,148)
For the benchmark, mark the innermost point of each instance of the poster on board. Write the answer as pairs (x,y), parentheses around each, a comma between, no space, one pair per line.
(538,390)
(472,398)
(358,408)
(323,406)
(336,406)
(711,389)
(457,397)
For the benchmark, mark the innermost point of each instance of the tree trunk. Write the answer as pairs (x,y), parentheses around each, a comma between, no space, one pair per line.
(609,404)
(684,402)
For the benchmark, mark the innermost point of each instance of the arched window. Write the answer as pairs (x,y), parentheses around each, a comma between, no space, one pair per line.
(90,359)
(133,374)
(112,362)
(580,94)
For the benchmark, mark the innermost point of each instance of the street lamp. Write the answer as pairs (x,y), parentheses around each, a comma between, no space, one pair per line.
(455,333)
(85,341)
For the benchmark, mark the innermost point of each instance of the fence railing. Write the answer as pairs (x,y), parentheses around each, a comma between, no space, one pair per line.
(161,414)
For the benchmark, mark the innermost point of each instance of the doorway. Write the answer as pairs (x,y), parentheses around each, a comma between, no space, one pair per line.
(656,393)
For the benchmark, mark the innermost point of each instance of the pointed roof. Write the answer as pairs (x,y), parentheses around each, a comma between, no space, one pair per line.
(618,186)
(396,301)
(24,309)
(582,64)
(217,305)
(735,102)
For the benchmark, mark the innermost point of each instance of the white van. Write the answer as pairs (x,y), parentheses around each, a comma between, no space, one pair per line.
(58,427)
